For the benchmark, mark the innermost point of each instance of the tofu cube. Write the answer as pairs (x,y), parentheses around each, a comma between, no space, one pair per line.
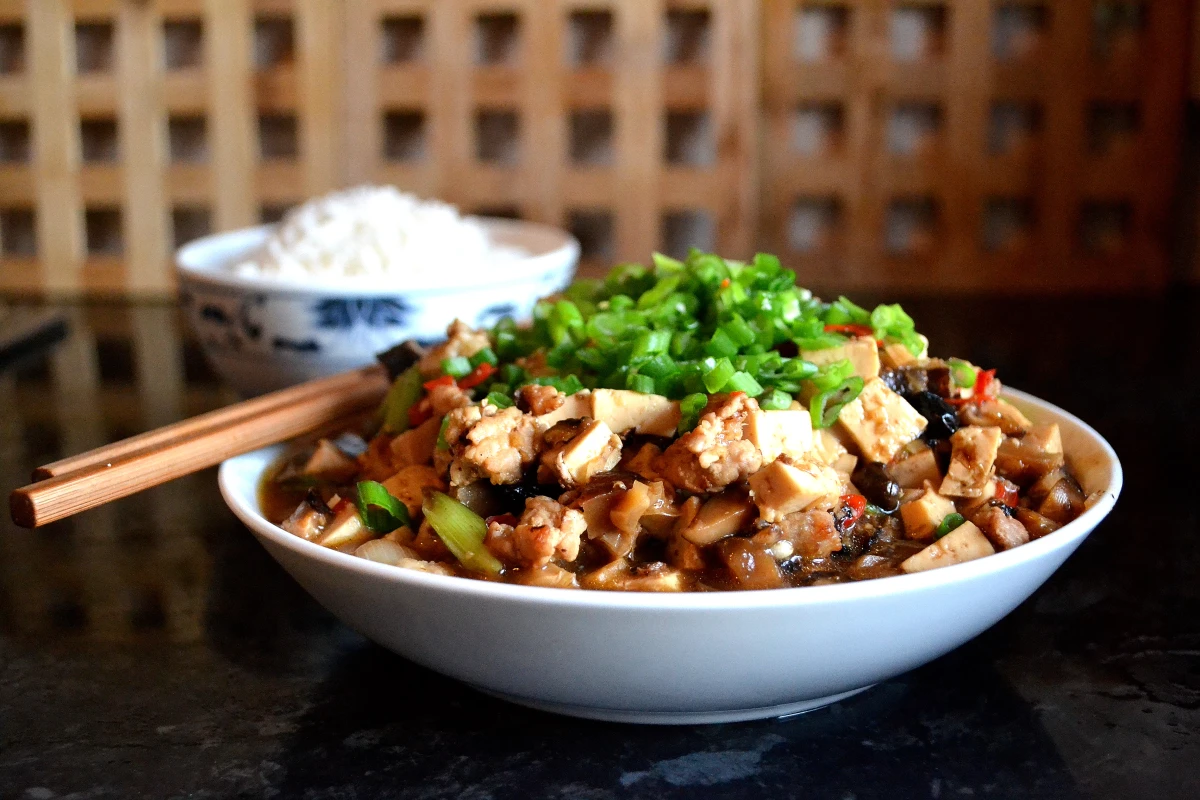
(416,445)
(971,461)
(575,406)
(409,485)
(777,433)
(1046,438)
(923,515)
(912,472)
(897,355)
(826,446)
(964,543)
(596,449)
(880,422)
(346,532)
(623,411)
(862,352)
(781,488)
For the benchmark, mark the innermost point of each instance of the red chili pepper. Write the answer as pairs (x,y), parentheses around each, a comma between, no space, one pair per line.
(476,376)
(419,413)
(444,380)
(985,381)
(725,283)
(857,505)
(503,519)
(851,330)
(1006,494)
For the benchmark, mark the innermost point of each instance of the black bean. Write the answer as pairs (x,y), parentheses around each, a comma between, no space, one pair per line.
(873,480)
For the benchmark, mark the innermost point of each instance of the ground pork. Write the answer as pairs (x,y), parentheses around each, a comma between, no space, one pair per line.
(484,442)
(546,530)
(715,453)
(461,340)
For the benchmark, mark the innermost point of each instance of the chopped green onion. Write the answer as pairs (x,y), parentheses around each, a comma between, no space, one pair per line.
(486,355)
(775,400)
(963,373)
(404,394)
(743,382)
(948,523)
(462,531)
(716,378)
(832,375)
(721,344)
(499,400)
(651,342)
(643,384)
(441,440)
(825,407)
(689,409)
(457,367)
(380,511)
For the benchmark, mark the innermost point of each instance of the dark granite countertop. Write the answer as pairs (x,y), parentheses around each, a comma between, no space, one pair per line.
(153,649)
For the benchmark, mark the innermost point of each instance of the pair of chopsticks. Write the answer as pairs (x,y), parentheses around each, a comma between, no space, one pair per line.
(108,473)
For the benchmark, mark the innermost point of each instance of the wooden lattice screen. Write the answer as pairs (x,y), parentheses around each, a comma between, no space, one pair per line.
(966,143)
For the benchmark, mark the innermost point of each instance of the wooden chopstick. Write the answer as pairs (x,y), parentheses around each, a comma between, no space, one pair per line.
(220,418)
(193,446)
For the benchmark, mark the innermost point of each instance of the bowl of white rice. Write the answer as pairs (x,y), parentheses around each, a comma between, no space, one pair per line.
(352,273)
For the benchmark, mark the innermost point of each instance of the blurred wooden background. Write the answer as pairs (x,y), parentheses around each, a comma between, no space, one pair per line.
(872,143)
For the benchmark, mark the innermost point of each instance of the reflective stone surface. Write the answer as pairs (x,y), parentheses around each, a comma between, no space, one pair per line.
(152,649)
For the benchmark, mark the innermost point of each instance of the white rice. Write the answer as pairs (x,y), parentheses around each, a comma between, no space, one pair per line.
(375,232)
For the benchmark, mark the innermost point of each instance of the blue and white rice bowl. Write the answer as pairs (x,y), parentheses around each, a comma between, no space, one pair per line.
(262,334)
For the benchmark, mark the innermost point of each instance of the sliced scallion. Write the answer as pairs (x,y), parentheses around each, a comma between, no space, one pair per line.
(462,531)
(380,511)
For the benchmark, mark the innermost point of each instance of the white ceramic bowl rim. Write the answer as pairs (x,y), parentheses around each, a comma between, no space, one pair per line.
(207,259)
(667,602)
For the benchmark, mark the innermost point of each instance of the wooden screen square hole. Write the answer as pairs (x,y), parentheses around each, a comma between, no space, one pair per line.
(498,137)
(1112,127)
(190,222)
(589,38)
(690,140)
(404,136)
(102,227)
(18,233)
(913,128)
(12,49)
(274,42)
(1019,31)
(918,32)
(277,137)
(596,232)
(817,128)
(1104,227)
(187,139)
(591,137)
(271,213)
(403,39)
(497,38)
(686,36)
(821,32)
(684,229)
(14,141)
(1007,224)
(93,47)
(813,224)
(98,140)
(1013,128)
(183,44)
(1117,29)
(910,228)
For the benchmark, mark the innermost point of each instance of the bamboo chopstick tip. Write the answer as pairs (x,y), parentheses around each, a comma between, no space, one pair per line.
(21,508)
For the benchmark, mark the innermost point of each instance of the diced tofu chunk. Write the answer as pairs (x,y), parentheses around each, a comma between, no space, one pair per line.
(880,422)
(923,515)
(971,461)
(416,445)
(781,488)
(777,433)
(1046,438)
(346,531)
(574,406)
(594,450)
(897,355)
(409,484)
(964,543)
(329,463)
(826,446)
(623,411)
(913,471)
(721,515)
(861,352)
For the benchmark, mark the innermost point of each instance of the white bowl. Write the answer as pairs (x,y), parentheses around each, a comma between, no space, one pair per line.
(680,658)
(262,334)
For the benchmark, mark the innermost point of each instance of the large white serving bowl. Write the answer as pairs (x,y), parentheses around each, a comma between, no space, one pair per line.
(261,334)
(680,658)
